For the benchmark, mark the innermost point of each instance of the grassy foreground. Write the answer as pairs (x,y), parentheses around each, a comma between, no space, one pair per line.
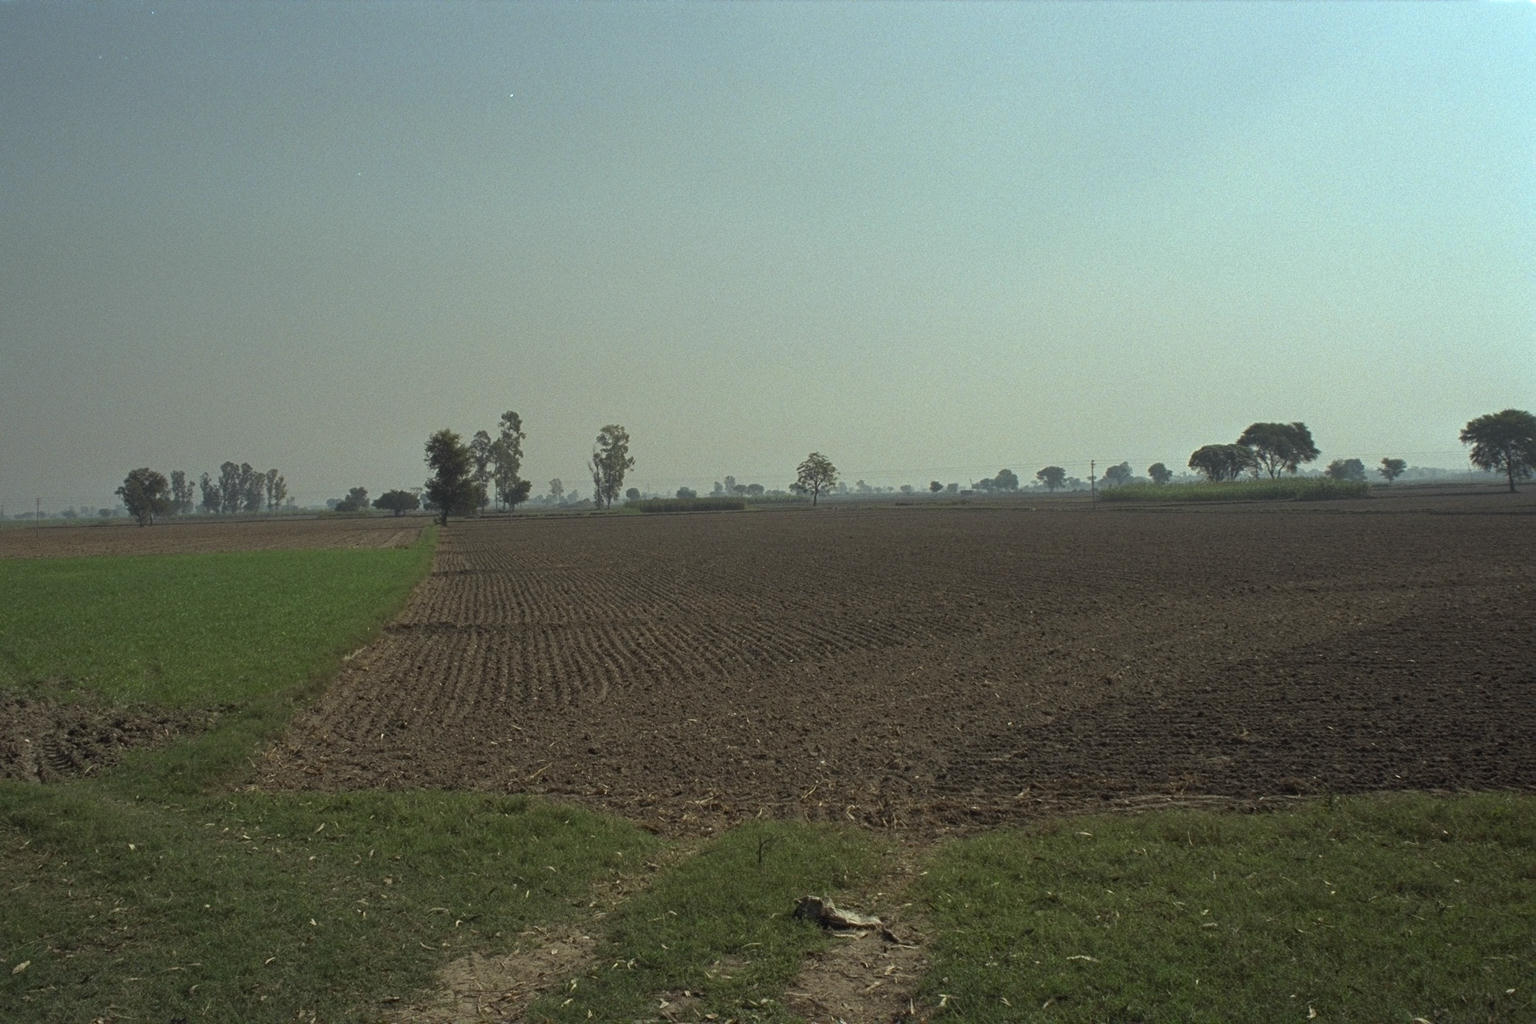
(165,890)
(1403,907)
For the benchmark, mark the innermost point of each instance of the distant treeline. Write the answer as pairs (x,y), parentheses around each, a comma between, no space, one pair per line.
(1282,489)
(711,504)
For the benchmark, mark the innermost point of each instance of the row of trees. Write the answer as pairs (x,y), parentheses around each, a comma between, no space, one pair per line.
(466,475)
(1276,448)
(1502,442)
(1264,447)
(1353,470)
(147,494)
(463,474)
(238,488)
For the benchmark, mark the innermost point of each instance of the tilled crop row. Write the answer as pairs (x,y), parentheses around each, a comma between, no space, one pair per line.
(937,668)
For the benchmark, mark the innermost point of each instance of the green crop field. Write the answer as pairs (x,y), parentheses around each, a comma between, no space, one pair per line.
(193,630)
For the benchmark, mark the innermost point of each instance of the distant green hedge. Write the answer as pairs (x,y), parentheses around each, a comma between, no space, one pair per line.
(655,505)
(1283,489)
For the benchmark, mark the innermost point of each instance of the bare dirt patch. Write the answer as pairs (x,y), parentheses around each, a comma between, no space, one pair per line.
(500,988)
(200,534)
(938,669)
(860,977)
(45,741)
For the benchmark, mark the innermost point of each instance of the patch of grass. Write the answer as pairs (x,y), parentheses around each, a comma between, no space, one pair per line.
(1387,908)
(246,634)
(274,907)
(195,630)
(719,927)
(1282,489)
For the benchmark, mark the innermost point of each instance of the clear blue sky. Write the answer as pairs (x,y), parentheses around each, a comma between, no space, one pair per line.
(930,241)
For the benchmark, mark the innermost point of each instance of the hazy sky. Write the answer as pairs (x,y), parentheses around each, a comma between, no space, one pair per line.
(930,241)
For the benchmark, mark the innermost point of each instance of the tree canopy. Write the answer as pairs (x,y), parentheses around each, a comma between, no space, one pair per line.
(507,457)
(451,489)
(182,490)
(1279,447)
(277,489)
(1503,441)
(1391,469)
(145,494)
(480,455)
(815,475)
(355,501)
(1350,470)
(213,496)
(1159,473)
(1218,462)
(1115,476)
(1052,476)
(610,461)
(398,502)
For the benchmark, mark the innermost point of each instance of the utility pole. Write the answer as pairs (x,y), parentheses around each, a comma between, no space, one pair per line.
(1093,490)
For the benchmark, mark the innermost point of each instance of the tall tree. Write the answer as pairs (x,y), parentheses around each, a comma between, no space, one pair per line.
(1006,480)
(815,475)
(451,489)
(253,488)
(277,490)
(507,457)
(230,491)
(1279,447)
(181,493)
(610,461)
(145,494)
(1159,473)
(1391,469)
(1503,441)
(213,498)
(480,455)
(556,489)
(1052,476)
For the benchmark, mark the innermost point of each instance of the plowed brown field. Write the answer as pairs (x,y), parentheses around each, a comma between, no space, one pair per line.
(929,668)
